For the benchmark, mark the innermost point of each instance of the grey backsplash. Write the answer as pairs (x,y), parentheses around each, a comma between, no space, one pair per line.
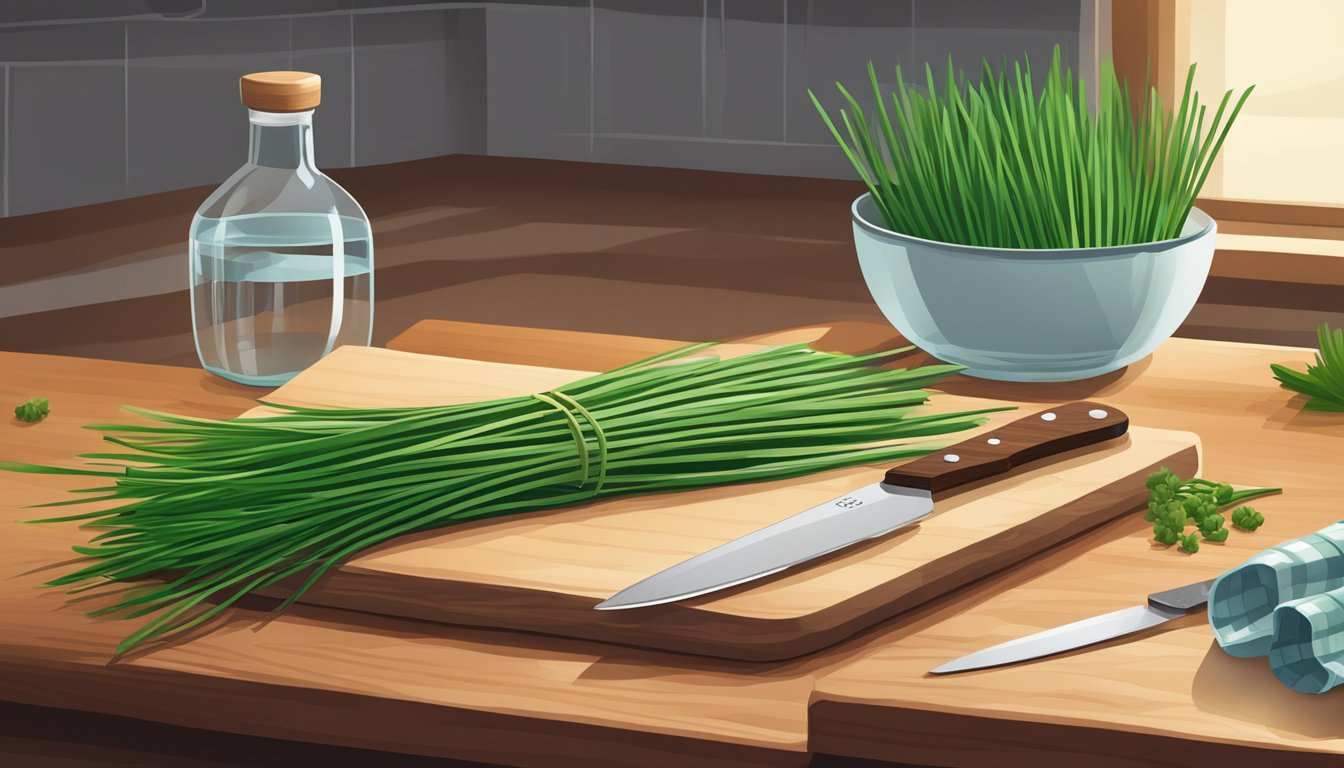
(104,99)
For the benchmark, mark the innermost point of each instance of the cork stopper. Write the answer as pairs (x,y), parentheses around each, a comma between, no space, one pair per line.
(281,91)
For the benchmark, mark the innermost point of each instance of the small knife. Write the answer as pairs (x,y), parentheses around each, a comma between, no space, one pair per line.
(906,494)
(1161,608)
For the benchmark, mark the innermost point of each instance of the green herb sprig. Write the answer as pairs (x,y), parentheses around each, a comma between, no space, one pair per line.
(1174,504)
(1000,164)
(35,409)
(1323,383)
(1189,543)
(222,509)
(1247,518)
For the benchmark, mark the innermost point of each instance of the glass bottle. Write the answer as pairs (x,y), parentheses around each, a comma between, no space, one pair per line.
(281,256)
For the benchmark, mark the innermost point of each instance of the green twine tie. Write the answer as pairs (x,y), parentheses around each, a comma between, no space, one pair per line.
(567,409)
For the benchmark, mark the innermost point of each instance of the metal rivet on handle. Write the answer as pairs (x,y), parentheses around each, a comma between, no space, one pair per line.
(1097,413)
(951,458)
(993,441)
(1048,417)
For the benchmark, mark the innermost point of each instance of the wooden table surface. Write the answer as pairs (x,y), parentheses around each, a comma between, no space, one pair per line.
(1170,698)
(318,675)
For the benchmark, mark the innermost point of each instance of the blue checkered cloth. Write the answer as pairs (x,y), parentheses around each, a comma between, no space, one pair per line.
(1287,603)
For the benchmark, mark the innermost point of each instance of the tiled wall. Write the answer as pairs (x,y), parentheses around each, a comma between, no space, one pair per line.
(106,99)
(115,98)
(722,84)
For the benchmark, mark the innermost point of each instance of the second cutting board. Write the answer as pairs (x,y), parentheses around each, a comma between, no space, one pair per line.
(544,572)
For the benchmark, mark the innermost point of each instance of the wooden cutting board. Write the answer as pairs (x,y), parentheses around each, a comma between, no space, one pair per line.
(543,572)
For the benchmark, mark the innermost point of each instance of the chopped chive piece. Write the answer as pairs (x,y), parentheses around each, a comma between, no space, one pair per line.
(35,409)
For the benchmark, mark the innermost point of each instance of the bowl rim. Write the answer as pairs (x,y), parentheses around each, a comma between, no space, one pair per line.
(1209,226)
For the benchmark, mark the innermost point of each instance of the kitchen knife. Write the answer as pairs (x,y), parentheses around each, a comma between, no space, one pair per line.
(1161,608)
(906,494)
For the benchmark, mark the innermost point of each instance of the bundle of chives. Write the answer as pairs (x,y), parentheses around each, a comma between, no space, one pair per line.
(1003,164)
(222,509)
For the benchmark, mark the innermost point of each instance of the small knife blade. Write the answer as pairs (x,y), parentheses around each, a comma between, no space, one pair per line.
(1161,608)
(907,494)
(869,512)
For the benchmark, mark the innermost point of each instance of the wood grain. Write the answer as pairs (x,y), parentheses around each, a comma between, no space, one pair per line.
(527,346)
(545,572)
(508,698)
(1169,697)
(318,675)
(1031,437)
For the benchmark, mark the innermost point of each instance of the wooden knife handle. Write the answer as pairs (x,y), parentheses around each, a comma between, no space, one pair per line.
(1031,438)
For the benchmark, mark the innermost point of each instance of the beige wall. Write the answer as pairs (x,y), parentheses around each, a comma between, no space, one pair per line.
(1288,143)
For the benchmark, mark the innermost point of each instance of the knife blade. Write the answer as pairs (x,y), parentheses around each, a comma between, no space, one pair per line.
(1161,608)
(906,494)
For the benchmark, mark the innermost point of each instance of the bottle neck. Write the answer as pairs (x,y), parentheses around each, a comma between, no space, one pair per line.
(281,139)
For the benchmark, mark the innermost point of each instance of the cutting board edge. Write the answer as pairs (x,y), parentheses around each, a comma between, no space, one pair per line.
(429,378)
(775,638)
(1185,463)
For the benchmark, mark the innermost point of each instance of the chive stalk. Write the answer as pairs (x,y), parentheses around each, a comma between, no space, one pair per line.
(1001,164)
(221,509)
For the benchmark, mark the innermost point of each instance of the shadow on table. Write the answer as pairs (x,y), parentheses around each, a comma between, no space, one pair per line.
(1246,690)
(1286,414)
(861,337)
